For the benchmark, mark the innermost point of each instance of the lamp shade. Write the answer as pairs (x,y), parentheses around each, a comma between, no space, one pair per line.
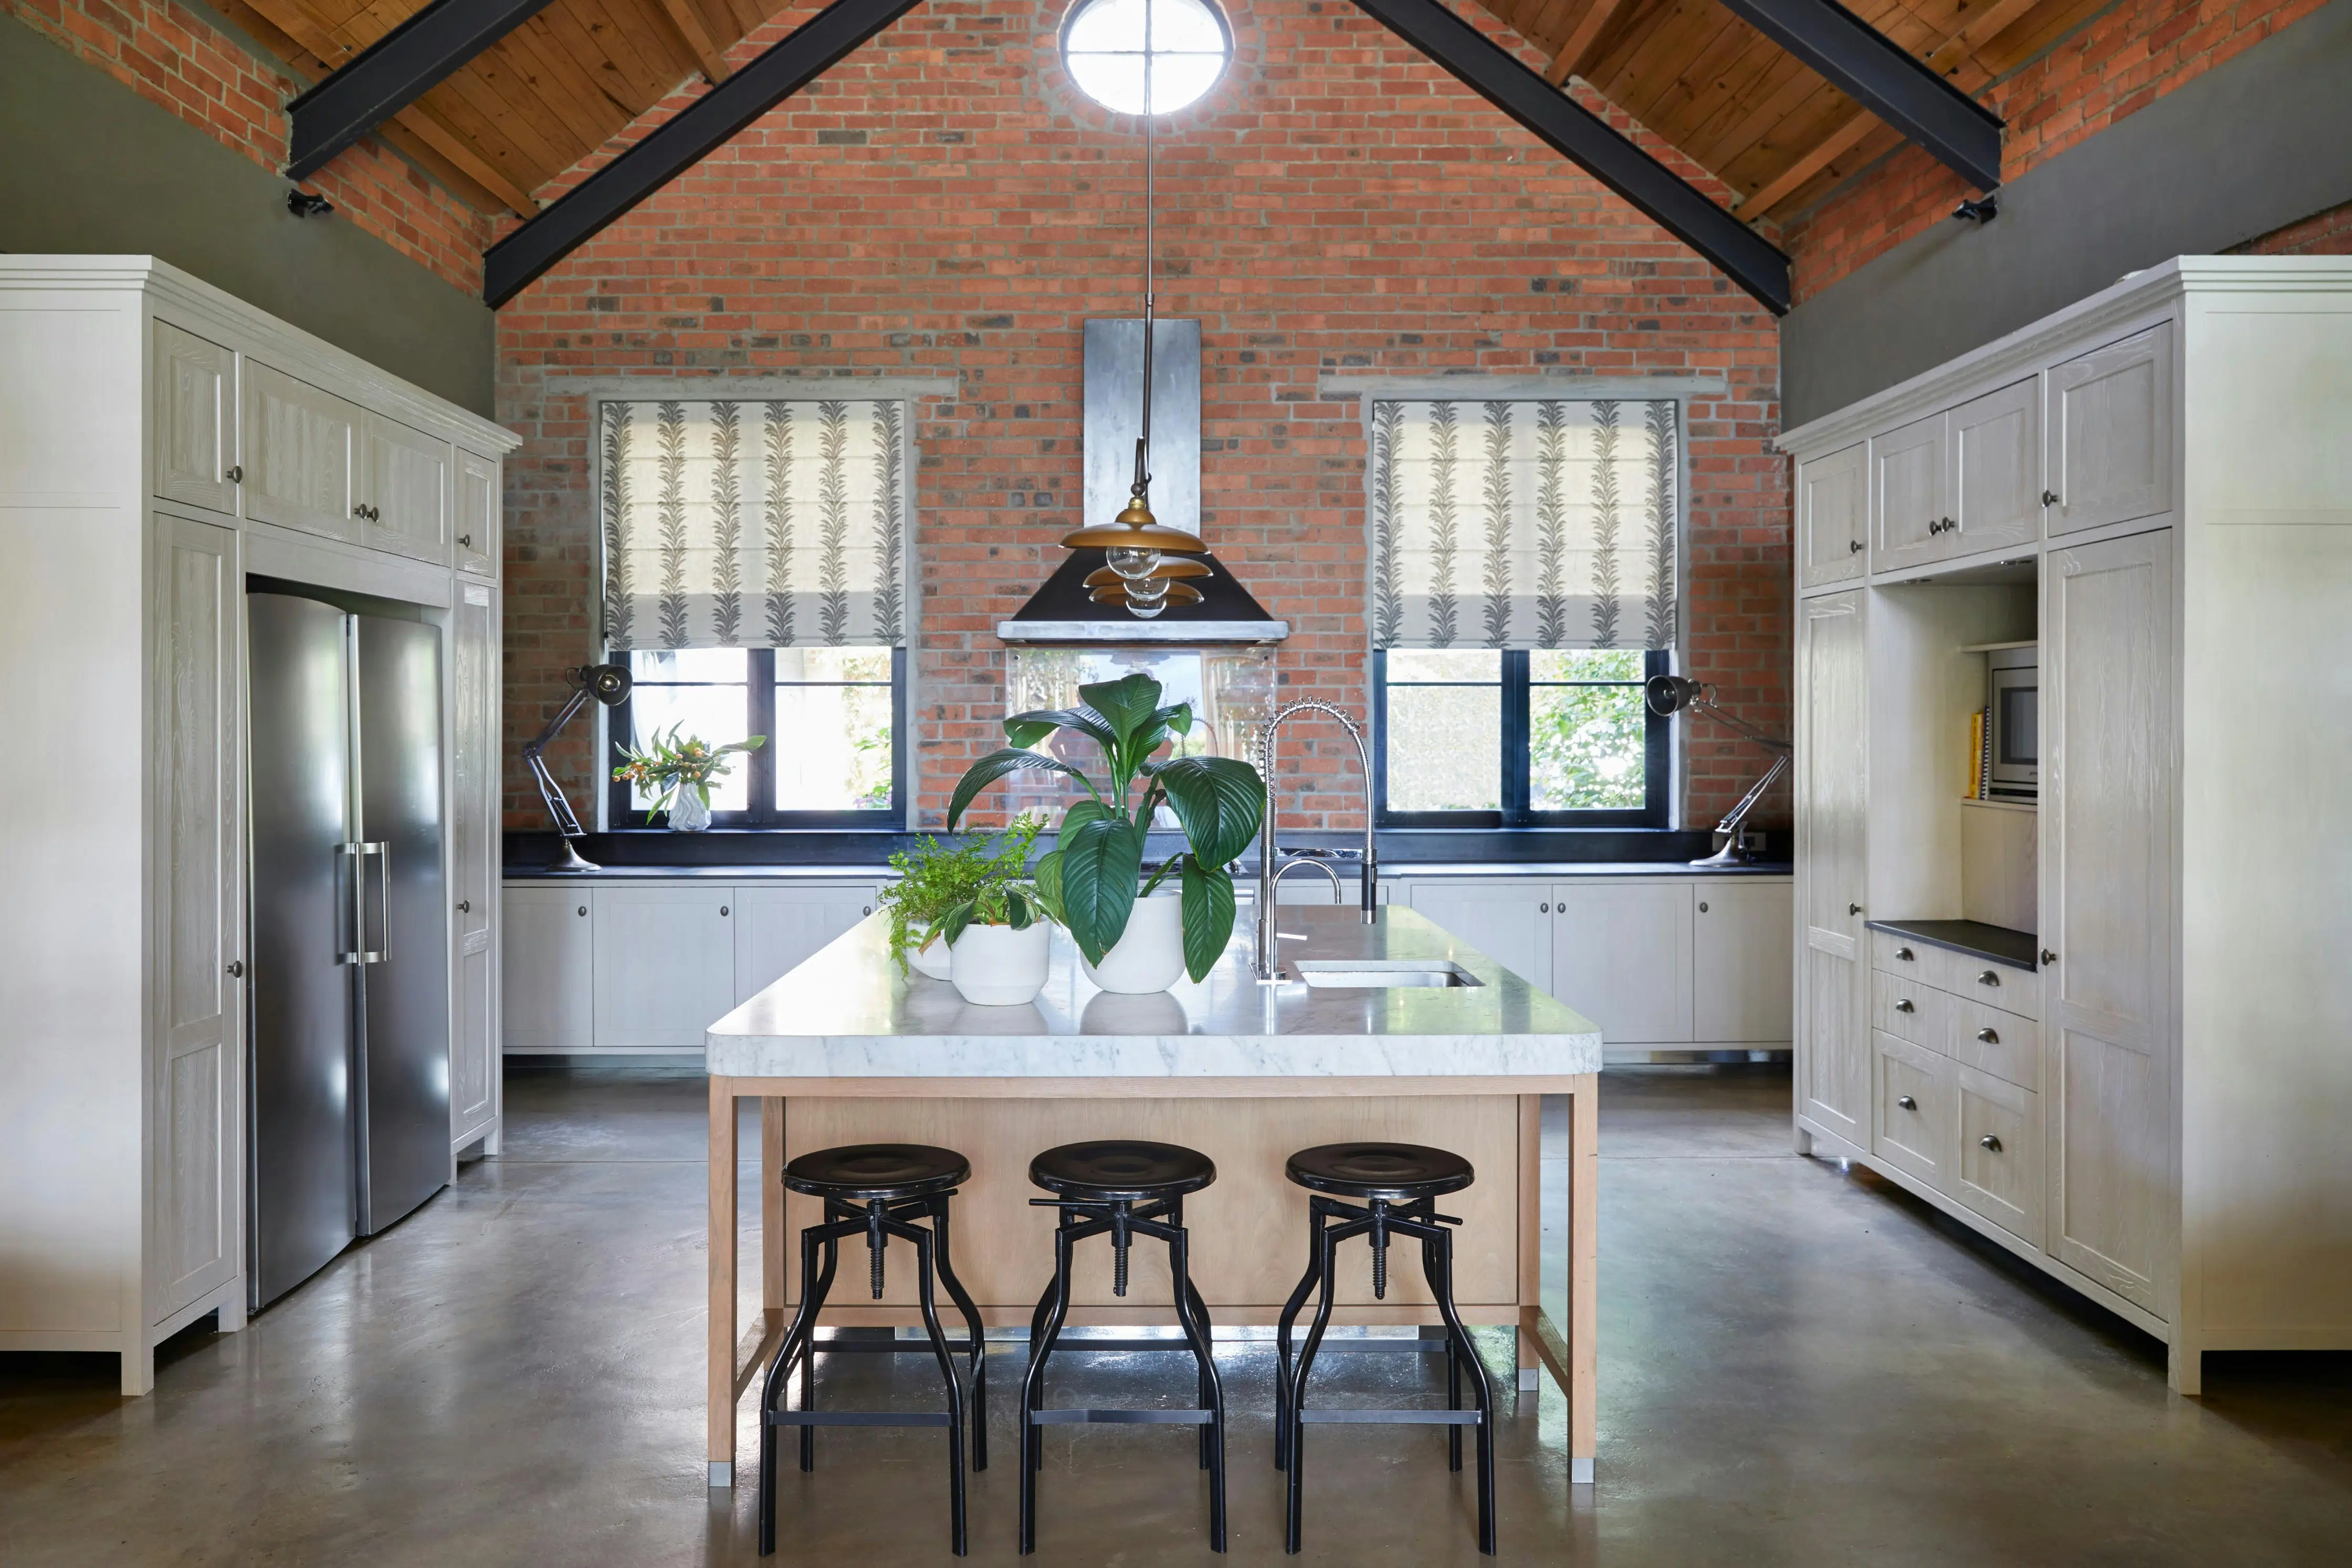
(1668,694)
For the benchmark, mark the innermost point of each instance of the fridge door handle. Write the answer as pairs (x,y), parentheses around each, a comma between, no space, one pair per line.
(359,952)
(383,851)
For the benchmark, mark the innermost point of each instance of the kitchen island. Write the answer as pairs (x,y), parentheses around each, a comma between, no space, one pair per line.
(845,1050)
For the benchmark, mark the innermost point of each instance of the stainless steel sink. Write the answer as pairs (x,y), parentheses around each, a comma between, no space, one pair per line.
(1384,974)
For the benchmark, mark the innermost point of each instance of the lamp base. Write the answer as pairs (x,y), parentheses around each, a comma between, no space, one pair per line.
(1728,855)
(573,860)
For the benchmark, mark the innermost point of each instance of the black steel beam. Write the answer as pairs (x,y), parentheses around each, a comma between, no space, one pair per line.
(1591,144)
(1886,80)
(680,143)
(392,73)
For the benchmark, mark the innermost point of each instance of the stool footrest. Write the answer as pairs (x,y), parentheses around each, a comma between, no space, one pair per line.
(856,1418)
(1121,1418)
(1119,1346)
(883,1346)
(1395,1417)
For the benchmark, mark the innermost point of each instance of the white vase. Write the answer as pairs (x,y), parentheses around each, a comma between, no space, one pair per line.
(689,812)
(930,961)
(999,967)
(1150,955)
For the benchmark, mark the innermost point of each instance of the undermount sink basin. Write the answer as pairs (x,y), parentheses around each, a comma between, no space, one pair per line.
(1384,974)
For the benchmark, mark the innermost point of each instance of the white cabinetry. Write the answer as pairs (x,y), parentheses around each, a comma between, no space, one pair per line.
(1622,950)
(776,928)
(2150,1106)
(665,965)
(158,441)
(1739,960)
(405,505)
(549,998)
(1499,919)
(1834,515)
(477,514)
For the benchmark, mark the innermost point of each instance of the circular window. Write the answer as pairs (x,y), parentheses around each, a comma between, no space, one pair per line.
(1145,57)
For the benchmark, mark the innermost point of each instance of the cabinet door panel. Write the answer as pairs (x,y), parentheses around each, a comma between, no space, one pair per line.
(1834,515)
(408,491)
(474,855)
(1621,956)
(665,965)
(1997,1156)
(777,928)
(478,515)
(548,959)
(195,420)
(2110,432)
(473,1055)
(1832,1039)
(301,455)
(2107,757)
(1912,1129)
(1996,469)
(1498,918)
(1741,950)
(199,1181)
(1908,499)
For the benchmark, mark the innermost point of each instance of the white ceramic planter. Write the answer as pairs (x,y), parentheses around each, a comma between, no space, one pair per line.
(1150,955)
(999,967)
(930,962)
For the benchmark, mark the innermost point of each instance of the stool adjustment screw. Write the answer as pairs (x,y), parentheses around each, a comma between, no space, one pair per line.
(876,1239)
(1379,1250)
(1120,1236)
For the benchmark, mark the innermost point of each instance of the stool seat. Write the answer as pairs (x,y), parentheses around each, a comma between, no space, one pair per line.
(864,1172)
(1122,1169)
(1397,1173)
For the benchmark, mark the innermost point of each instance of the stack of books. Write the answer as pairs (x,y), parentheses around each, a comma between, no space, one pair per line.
(1980,784)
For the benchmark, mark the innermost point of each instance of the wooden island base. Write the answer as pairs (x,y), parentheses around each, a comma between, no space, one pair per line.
(1249,1231)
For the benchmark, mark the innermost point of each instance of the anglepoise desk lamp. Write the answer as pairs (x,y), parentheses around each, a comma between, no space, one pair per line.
(1669,695)
(608,684)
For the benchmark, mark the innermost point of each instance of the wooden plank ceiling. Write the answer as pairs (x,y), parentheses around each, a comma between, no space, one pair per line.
(534,103)
(1743,108)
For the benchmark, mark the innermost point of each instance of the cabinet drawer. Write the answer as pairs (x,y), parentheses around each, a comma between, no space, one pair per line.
(1994,985)
(1907,1008)
(1997,1164)
(1911,1122)
(1913,960)
(2004,1044)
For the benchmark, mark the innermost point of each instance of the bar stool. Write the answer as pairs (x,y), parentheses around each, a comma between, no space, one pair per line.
(1399,1185)
(1121,1189)
(876,1191)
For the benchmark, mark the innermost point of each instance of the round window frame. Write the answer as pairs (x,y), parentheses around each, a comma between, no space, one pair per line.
(1062,61)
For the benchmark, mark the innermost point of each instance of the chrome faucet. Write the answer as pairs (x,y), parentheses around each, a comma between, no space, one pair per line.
(1269,867)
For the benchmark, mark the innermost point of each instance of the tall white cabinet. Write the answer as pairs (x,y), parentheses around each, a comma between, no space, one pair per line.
(2145,1093)
(159,442)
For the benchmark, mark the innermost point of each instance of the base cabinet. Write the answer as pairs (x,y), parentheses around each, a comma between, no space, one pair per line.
(549,1005)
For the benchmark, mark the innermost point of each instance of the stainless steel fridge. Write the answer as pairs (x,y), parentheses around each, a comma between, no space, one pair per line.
(349,1043)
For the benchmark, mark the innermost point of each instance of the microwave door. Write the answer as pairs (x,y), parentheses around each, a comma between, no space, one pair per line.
(2016,732)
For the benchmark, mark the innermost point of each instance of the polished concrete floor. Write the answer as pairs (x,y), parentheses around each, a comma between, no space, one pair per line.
(1798,1366)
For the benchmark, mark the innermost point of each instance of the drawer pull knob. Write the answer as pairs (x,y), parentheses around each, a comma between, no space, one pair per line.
(1903,1006)
(237,968)
(2050,498)
(465,907)
(1853,546)
(1853,909)
(1904,954)
(867,910)
(583,909)
(1987,978)
(1990,1037)
(2048,957)
(722,912)
(1907,1102)
(466,541)
(1543,909)
(1702,907)
(1989,1141)
(236,474)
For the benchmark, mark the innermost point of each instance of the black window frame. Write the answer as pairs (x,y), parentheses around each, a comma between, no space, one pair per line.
(760,697)
(1657,811)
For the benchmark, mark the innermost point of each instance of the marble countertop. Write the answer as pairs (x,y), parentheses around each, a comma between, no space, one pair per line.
(848,1013)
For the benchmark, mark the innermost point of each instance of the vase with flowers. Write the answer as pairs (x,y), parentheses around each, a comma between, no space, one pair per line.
(677,772)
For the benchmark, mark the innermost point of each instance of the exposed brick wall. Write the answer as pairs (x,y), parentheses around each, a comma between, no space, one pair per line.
(2115,65)
(946,203)
(2321,234)
(173,57)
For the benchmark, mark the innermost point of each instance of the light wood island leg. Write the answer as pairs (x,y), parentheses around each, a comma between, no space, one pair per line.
(772,1212)
(1530,1243)
(1583,1273)
(722,1387)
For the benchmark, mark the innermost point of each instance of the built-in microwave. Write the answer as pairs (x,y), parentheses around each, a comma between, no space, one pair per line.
(2013,714)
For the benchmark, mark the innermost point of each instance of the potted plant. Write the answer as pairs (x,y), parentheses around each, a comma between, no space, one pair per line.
(936,876)
(678,771)
(999,944)
(1089,882)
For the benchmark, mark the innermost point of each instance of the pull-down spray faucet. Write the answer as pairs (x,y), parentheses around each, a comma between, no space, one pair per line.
(1269,871)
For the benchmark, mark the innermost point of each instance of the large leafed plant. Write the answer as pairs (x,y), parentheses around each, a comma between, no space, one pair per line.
(1092,877)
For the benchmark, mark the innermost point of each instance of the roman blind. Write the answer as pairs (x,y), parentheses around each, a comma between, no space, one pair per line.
(754,524)
(1524,524)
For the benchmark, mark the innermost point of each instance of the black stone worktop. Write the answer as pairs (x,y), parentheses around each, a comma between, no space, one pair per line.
(1996,944)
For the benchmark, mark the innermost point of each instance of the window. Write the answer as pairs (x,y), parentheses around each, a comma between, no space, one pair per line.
(1490,738)
(834,720)
(1145,57)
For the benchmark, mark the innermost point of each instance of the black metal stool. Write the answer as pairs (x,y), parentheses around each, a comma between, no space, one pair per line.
(1399,1185)
(874,1190)
(1123,1190)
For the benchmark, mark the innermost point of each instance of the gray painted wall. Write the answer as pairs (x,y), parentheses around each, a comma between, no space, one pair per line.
(89,167)
(2253,145)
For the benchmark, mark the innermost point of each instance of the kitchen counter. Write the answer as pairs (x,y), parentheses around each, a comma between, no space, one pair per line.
(845,1049)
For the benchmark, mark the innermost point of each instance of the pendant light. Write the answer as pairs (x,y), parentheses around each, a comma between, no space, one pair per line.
(1135,544)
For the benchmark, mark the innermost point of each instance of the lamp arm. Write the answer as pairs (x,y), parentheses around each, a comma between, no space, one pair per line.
(567,822)
(1734,722)
(1739,814)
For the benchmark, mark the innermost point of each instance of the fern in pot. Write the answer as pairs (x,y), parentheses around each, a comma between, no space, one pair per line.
(937,875)
(1135,937)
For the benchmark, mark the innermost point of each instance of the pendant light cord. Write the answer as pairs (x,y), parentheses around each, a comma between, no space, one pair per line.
(1143,440)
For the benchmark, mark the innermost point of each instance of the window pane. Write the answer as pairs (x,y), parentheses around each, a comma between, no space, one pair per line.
(1586,747)
(1444,747)
(1585,664)
(1406,665)
(833,664)
(832,745)
(688,664)
(715,713)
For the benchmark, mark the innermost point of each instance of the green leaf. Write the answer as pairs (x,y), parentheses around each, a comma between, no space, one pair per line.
(1084,811)
(1026,729)
(952,925)
(995,766)
(1049,886)
(1016,909)
(1207,916)
(1178,717)
(1219,800)
(1127,704)
(1101,858)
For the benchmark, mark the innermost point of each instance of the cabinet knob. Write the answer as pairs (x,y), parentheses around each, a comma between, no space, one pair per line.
(1853,909)
(867,910)
(1904,1005)
(359,509)
(722,912)
(2048,957)
(237,968)
(235,474)
(1543,909)
(2050,498)
(583,909)
(1907,1102)
(465,541)
(1904,954)
(1853,546)
(1702,907)
(1989,978)
(465,907)
(1989,1141)
(1989,1036)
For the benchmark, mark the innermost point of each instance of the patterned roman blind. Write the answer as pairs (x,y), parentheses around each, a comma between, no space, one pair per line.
(754,525)
(1524,524)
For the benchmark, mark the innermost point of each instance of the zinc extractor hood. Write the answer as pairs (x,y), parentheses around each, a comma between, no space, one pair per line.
(1064,611)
